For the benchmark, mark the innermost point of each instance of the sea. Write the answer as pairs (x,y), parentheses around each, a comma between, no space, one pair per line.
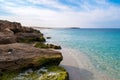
(101,46)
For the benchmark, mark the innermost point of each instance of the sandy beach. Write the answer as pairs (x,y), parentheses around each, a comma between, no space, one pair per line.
(80,67)
(78,64)
(72,66)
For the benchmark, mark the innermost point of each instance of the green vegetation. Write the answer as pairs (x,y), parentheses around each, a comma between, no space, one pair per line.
(31,40)
(55,73)
(41,39)
(40,45)
(8,75)
(43,45)
(47,61)
(45,73)
(29,76)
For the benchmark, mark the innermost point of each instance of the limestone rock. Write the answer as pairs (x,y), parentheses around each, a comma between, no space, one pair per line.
(11,32)
(29,37)
(11,25)
(55,73)
(16,27)
(43,45)
(7,37)
(44,73)
(18,56)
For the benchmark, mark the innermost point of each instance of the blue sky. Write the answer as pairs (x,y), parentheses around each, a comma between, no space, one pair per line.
(62,13)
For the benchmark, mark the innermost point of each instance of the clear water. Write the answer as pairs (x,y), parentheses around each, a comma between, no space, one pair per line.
(102,46)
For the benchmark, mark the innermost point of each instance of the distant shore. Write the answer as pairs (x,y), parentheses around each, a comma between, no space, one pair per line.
(55,28)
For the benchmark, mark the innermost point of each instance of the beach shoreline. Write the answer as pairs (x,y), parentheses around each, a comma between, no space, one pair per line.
(80,67)
(78,64)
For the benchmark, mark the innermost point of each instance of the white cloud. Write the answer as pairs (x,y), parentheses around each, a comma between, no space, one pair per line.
(66,17)
(50,3)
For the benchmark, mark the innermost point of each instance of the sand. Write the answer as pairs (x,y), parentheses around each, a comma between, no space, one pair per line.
(79,66)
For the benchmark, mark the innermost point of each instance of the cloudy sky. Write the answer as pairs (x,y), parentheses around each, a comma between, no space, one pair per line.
(62,13)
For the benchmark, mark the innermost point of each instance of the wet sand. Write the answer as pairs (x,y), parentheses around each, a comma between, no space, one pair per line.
(79,66)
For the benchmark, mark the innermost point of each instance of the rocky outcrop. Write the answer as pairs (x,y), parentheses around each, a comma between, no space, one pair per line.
(46,46)
(18,56)
(11,32)
(7,37)
(16,27)
(29,37)
(45,73)
(54,73)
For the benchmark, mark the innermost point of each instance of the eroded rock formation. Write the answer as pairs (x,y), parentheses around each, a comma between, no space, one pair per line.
(17,56)
(11,32)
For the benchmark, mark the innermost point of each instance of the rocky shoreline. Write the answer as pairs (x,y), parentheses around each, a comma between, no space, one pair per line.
(22,48)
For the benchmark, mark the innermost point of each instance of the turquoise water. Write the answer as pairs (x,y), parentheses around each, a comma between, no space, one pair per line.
(102,46)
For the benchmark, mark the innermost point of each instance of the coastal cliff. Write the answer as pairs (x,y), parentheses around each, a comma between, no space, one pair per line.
(17,52)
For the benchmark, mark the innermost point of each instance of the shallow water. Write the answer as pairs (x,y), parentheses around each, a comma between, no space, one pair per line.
(102,46)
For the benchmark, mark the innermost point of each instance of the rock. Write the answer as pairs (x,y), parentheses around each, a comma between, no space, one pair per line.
(43,45)
(11,32)
(7,37)
(55,73)
(15,56)
(45,73)
(16,27)
(29,37)
(48,37)
(7,31)
(55,46)
(18,56)
(30,30)
(40,45)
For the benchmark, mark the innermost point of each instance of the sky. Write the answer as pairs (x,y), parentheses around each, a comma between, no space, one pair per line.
(62,13)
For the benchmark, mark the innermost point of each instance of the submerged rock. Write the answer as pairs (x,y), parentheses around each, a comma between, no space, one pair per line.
(18,56)
(48,37)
